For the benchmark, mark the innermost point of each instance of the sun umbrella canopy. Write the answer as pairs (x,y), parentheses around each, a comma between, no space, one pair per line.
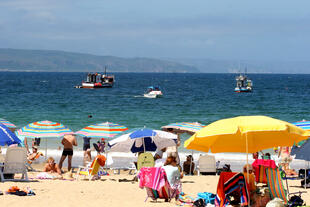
(303,152)
(44,129)
(7,137)
(143,140)
(184,127)
(303,124)
(7,123)
(102,130)
(245,134)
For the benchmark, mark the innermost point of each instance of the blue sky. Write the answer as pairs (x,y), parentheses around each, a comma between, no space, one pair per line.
(224,29)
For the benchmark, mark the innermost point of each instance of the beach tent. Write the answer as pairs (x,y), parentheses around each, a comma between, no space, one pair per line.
(44,129)
(7,137)
(143,140)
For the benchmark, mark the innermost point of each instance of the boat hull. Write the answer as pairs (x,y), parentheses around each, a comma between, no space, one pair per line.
(243,90)
(97,85)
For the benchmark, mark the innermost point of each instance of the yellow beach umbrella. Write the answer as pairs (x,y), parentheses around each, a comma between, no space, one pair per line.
(245,134)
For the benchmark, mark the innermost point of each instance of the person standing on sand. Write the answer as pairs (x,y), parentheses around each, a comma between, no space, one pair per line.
(68,142)
(86,149)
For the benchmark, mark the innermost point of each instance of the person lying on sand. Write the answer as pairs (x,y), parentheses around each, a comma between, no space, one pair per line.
(52,167)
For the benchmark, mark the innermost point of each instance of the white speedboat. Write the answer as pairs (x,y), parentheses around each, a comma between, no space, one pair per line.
(153,92)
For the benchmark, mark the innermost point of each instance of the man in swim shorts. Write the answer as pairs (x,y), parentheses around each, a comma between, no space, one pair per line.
(68,142)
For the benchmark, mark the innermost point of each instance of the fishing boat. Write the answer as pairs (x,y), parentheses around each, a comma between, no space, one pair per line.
(153,92)
(243,84)
(97,80)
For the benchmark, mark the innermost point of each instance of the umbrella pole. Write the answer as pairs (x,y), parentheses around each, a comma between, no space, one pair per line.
(143,144)
(45,149)
(190,167)
(305,174)
(247,161)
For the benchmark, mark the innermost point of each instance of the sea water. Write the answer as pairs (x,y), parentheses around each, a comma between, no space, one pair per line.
(33,96)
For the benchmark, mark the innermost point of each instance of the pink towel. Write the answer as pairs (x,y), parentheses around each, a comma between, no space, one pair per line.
(152,177)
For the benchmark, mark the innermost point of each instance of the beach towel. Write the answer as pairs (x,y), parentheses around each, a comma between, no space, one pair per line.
(185,200)
(230,182)
(45,175)
(259,167)
(152,177)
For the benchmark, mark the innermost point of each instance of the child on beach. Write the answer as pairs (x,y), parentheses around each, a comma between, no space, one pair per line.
(52,167)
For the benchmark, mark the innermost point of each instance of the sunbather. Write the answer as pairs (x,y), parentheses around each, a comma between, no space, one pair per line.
(51,166)
(34,155)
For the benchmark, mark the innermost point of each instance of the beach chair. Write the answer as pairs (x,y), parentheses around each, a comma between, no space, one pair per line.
(154,180)
(14,163)
(92,170)
(206,164)
(276,187)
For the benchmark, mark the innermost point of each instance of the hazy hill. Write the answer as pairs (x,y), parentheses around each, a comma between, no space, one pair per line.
(50,60)
(206,65)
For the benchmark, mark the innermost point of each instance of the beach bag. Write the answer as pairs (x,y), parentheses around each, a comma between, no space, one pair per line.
(199,203)
(207,197)
(302,182)
(295,201)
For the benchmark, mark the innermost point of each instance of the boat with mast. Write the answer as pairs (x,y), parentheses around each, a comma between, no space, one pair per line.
(97,80)
(243,84)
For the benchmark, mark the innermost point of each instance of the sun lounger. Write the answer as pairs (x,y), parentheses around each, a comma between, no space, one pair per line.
(15,163)
(276,186)
(92,170)
(131,170)
(206,164)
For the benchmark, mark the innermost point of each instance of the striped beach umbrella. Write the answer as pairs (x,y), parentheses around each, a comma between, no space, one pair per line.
(7,124)
(184,127)
(102,130)
(44,129)
(305,125)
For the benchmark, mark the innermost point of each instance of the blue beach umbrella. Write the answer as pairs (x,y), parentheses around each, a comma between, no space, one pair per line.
(143,140)
(7,137)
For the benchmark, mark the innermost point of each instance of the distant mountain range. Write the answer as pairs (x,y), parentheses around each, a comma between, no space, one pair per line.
(60,61)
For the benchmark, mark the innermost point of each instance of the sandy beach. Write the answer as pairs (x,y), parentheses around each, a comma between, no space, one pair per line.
(107,191)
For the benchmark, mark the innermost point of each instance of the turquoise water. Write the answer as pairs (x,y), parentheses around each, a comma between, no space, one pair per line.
(29,97)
